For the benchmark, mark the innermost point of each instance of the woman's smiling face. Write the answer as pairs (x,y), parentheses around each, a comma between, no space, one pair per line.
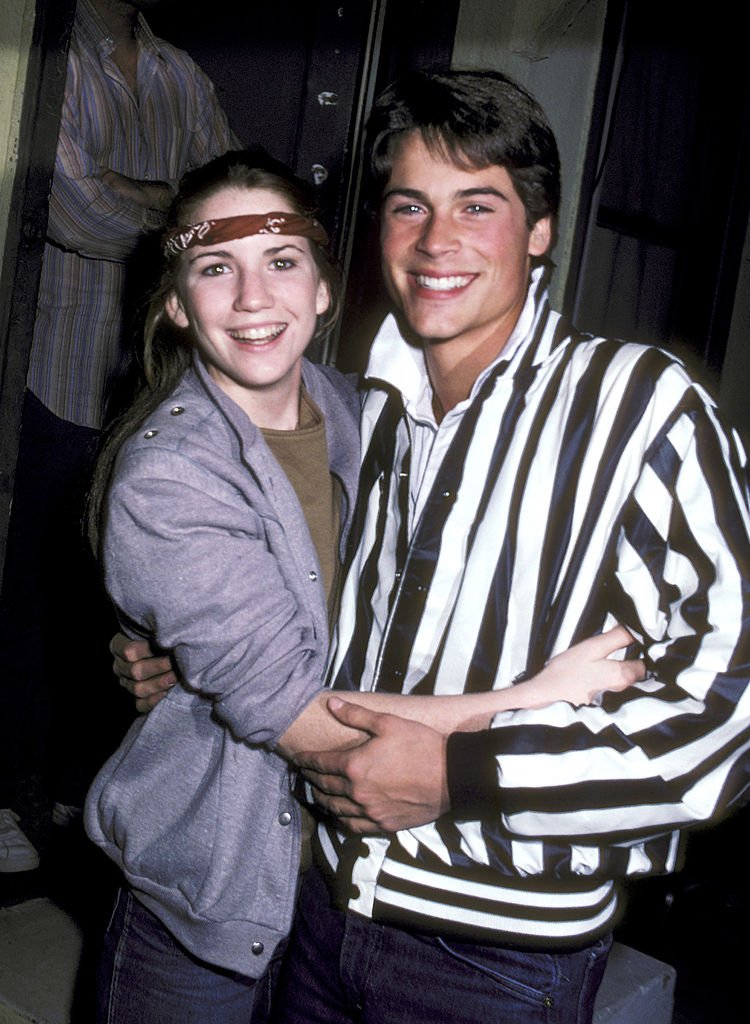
(251,305)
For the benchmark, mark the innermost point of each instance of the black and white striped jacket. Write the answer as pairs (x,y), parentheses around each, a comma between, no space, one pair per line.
(584,482)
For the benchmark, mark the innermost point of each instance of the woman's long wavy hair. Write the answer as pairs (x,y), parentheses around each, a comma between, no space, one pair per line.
(168,350)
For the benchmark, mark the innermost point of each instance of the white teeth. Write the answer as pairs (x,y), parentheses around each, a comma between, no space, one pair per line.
(443,284)
(258,333)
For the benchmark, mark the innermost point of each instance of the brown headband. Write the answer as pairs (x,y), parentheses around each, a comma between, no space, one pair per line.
(209,232)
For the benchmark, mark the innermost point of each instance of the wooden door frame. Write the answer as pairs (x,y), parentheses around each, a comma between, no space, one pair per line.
(27,226)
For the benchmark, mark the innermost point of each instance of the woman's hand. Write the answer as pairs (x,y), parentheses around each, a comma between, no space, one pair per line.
(583,671)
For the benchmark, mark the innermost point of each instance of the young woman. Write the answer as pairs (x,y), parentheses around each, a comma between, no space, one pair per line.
(220,510)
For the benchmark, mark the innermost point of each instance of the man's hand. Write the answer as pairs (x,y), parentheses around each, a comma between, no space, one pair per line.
(152,195)
(145,675)
(395,779)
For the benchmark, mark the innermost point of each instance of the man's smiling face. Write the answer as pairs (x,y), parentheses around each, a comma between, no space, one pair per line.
(456,249)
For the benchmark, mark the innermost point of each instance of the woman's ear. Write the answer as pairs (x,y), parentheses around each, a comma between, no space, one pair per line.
(175,310)
(323,298)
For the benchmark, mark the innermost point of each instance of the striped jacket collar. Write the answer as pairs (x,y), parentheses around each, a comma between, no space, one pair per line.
(94,34)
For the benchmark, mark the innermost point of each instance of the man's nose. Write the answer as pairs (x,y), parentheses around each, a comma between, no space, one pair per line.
(438,235)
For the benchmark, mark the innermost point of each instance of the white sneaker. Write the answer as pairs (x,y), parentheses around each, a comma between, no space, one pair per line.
(16,850)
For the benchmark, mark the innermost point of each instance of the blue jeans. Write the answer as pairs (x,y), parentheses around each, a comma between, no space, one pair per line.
(146,977)
(341,968)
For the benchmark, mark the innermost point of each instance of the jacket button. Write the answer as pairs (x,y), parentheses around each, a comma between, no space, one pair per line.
(257,948)
(312,575)
(177,410)
(150,433)
(285,818)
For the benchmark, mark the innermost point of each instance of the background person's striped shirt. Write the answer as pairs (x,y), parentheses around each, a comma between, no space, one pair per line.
(173,123)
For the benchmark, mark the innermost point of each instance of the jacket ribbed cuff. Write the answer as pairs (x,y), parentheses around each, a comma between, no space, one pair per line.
(472,774)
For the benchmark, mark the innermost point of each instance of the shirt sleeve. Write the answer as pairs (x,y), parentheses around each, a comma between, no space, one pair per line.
(672,751)
(90,218)
(85,215)
(188,563)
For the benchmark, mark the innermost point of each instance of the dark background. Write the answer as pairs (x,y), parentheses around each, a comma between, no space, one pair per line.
(666,192)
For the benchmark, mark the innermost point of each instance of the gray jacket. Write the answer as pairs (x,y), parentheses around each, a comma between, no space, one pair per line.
(207,550)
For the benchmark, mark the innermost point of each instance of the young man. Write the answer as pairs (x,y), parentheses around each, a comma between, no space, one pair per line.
(523,486)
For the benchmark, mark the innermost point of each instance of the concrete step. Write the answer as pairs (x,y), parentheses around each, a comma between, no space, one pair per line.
(41,945)
(40,950)
(636,989)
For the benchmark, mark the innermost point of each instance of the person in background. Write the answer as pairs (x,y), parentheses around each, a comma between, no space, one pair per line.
(137,113)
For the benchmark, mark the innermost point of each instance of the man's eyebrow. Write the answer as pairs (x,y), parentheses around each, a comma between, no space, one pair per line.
(464,193)
(483,190)
(408,193)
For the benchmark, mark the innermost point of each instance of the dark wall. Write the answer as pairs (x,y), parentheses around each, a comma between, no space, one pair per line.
(288,78)
(256,58)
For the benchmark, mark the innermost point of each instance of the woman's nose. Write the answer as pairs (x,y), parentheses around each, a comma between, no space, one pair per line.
(253,292)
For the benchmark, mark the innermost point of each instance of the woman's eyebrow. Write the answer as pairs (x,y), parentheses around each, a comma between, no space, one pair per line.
(225,254)
(280,248)
(210,254)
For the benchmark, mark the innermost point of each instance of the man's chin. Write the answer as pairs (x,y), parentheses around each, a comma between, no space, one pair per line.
(423,331)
